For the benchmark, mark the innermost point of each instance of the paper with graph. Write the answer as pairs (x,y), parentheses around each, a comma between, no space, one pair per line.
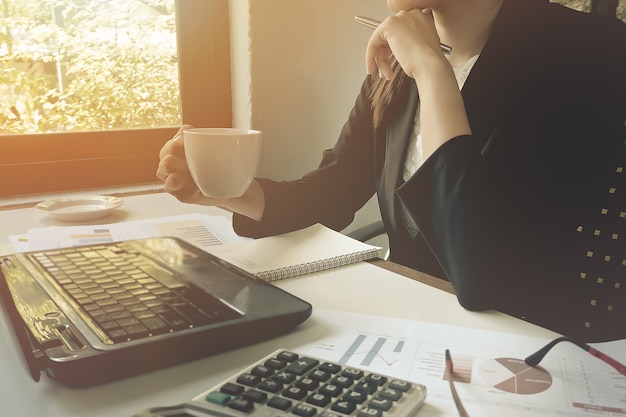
(491,376)
(198,229)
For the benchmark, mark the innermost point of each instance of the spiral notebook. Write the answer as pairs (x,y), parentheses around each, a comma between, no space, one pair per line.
(313,249)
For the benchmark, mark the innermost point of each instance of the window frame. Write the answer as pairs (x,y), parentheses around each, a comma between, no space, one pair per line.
(58,162)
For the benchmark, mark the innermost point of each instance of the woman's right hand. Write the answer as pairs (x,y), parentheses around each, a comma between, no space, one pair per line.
(174,172)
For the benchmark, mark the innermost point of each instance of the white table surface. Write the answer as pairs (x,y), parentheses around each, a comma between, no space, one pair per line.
(380,292)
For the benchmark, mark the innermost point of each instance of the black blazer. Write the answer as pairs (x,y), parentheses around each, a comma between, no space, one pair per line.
(546,102)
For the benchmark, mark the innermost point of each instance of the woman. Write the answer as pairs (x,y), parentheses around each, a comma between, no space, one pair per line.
(474,156)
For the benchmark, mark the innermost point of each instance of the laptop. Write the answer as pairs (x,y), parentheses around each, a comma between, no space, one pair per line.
(93,314)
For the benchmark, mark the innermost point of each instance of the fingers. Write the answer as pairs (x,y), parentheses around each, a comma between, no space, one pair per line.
(378,55)
(408,36)
(171,164)
(183,127)
(174,146)
(172,156)
(177,180)
(173,169)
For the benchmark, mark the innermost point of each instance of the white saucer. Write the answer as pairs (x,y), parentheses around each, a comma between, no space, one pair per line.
(78,209)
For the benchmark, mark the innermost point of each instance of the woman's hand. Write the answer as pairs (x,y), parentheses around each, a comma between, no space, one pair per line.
(410,36)
(174,172)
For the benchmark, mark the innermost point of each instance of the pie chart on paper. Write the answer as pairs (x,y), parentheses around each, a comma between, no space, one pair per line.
(514,376)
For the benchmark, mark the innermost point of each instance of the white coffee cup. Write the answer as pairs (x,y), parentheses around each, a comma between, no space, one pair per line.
(222,161)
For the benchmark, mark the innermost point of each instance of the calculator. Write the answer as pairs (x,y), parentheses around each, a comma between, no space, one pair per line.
(289,384)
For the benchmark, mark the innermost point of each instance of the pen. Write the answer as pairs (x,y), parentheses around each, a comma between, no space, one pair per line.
(373,24)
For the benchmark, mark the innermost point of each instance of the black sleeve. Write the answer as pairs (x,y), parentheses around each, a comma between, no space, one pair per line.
(503,220)
(473,232)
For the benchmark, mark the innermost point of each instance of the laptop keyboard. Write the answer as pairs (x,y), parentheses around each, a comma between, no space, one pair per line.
(127,296)
(286,384)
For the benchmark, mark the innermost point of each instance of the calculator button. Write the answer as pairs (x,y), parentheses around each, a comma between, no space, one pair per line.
(318,399)
(255,396)
(270,386)
(304,410)
(392,394)
(369,412)
(353,373)
(400,385)
(333,368)
(307,383)
(381,403)
(366,388)
(284,377)
(216,397)
(279,403)
(341,381)
(376,379)
(319,375)
(287,356)
(302,365)
(295,393)
(262,371)
(275,363)
(345,407)
(355,396)
(248,379)
(232,389)
(330,389)
(241,404)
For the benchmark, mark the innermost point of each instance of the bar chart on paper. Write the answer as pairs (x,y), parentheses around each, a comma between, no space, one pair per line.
(193,231)
(375,351)
(387,351)
(90,237)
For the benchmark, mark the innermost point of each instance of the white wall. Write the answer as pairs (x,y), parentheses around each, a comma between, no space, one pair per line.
(297,67)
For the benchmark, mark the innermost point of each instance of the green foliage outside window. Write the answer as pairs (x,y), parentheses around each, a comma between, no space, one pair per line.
(585,6)
(79,65)
(621,10)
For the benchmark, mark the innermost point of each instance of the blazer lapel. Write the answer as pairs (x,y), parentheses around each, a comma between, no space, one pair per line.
(397,140)
(492,88)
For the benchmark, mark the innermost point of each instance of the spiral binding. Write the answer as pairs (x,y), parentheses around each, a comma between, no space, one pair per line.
(316,266)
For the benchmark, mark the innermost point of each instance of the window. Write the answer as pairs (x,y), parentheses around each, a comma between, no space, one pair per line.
(101,145)
(600,6)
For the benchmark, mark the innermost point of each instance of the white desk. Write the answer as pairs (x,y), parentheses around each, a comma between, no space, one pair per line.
(381,292)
